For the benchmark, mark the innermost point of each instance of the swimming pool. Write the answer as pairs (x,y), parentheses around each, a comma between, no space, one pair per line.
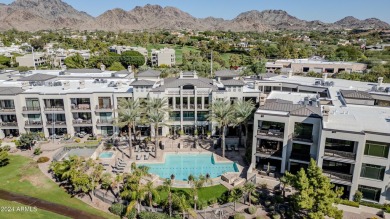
(182,165)
(106,155)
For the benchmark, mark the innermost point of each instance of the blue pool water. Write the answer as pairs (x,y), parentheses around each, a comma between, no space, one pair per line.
(106,154)
(182,165)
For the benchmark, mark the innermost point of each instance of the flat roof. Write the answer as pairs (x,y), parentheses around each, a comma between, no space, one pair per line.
(293,97)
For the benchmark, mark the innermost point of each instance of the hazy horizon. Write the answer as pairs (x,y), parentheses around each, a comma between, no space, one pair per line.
(326,11)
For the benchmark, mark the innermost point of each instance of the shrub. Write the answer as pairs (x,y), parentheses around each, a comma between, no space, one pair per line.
(267,203)
(213,201)
(132,214)
(239,216)
(5,148)
(43,159)
(259,217)
(358,196)
(276,216)
(252,210)
(37,151)
(117,209)
(77,140)
(349,203)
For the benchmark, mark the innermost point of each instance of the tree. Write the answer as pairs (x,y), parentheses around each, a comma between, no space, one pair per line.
(156,109)
(222,113)
(128,115)
(132,58)
(234,195)
(75,61)
(243,112)
(133,190)
(258,67)
(151,192)
(27,139)
(197,184)
(116,66)
(181,202)
(167,186)
(249,188)
(234,60)
(315,196)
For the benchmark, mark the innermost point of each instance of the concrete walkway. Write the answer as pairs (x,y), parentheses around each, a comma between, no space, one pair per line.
(48,206)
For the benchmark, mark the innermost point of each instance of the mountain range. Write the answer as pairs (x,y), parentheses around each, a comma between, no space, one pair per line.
(33,15)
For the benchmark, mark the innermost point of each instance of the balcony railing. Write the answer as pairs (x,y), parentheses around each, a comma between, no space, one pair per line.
(271,132)
(105,121)
(177,106)
(300,156)
(188,118)
(55,108)
(56,123)
(340,154)
(7,109)
(206,106)
(81,107)
(31,108)
(33,123)
(270,151)
(302,137)
(199,106)
(9,124)
(174,118)
(201,119)
(103,107)
(338,176)
(80,121)
(192,106)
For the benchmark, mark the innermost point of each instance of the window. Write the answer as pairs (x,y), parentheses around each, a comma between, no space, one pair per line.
(372,171)
(370,193)
(376,149)
(170,101)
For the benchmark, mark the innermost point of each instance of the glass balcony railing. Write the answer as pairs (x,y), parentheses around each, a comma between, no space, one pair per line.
(340,154)
(338,176)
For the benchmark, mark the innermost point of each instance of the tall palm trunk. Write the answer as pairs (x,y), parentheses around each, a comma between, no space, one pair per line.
(246,133)
(170,204)
(150,199)
(156,139)
(223,140)
(239,135)
(130,141)
(249,197)
(135,133)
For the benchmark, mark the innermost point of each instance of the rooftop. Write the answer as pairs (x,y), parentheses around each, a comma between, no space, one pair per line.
(37,77)
(149,73)
(226,73)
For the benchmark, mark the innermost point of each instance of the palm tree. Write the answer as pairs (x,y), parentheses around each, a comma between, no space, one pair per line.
(181,202)
(243,111)
(156,109)
(249,188)
(151,192)
(234,195)
(167,186)
(133,191)
(196,185)
(128,115)
(222,113)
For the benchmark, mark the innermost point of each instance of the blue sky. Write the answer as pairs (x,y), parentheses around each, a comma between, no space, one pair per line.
(324,10)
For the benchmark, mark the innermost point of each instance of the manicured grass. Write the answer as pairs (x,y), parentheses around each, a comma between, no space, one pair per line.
(23,176)
(205,194)
(14,210)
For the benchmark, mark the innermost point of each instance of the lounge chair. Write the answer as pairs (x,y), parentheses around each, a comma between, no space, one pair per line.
(119,168)
(235,147)
(229,148)
(138,157)
(147,149)
(146,156)
(136,148)
(153,149)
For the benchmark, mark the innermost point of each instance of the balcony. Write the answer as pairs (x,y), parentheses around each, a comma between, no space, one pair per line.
(192,106)
(206,106)
(7,110)
(177,106)
(199,106)
(270,152)
(81,107)
(174,118)
(335,176)
(201,119)
(339,154)
(12,125)
(271,133)
(55,108)
(305,157)
(81,122)
(302,137)
(56,123)
(188,118)
(33,123)
(31,109)
(102,108)
(105,122)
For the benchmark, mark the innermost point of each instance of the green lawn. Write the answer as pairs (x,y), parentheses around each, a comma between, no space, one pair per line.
(14,210)
(205,194)
(23,176)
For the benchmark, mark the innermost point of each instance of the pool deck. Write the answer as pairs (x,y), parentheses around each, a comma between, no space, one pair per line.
(171,147)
